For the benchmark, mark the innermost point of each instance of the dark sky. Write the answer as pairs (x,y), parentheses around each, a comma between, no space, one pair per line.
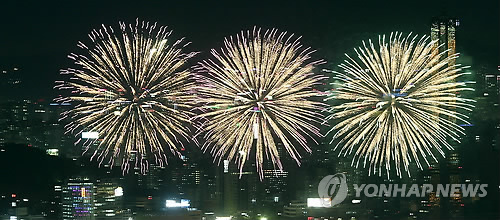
(38,35)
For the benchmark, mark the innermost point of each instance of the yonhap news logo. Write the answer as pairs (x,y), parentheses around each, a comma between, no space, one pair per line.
(333,189)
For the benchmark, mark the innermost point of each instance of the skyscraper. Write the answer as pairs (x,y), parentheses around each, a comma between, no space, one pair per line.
(273,188)
(78,199)
(239,189)
(186,179)
(108,202)
(443,30)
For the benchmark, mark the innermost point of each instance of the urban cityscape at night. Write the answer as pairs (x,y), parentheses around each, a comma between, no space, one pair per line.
(250,110)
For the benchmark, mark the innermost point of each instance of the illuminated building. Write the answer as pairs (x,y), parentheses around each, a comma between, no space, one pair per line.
(294,209)
(230,191)
(430,204)
(272,190)
(454,170)
(187,179)
(54,205)
(239,193)
(49,132)
(492,83)
(36,124)
(78,197)
(443,30)
(84,199)
(15,126)
(210,191)
(488,82)
(498,80)
(10,76)
(108,200)
(152,180)
(353,175)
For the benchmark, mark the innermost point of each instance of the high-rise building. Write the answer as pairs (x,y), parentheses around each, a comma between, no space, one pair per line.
(35,123)
(489,82)
(108,202)
(54,204)
(443,30)
(153,180)
(82,198)
(211,191)
(273,188)
(52,129)
(431,203)
(498,80)
(15,126)
(239,189)
(455,203)
(13,110)
(187,179)
(353,175)
(78,197)
(295,209)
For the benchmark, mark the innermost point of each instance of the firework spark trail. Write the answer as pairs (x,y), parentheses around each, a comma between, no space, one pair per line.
(131,87)
(399,103)
(256,92)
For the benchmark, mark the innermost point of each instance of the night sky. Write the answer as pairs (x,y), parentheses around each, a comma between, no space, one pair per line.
(37,36)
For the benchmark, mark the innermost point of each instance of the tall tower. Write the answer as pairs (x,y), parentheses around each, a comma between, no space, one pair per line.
(443,29)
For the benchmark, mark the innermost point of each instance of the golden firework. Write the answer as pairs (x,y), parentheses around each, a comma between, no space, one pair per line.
(257,93)
(400,103)
(131,90)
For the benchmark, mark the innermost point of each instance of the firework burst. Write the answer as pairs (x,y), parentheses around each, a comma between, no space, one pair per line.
(400,103)
(257,93)
(130,89)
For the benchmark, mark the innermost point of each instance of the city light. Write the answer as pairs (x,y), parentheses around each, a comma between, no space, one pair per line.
(318,203)
(119,191)
(90,135)
(53,152)
(82,191)
(226,166)
(174,204)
